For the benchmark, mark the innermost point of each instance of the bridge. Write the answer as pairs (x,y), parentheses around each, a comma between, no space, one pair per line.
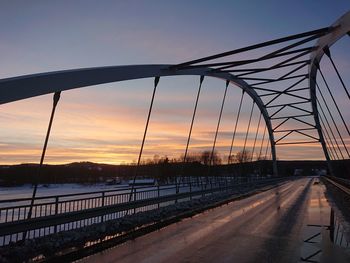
(291,101)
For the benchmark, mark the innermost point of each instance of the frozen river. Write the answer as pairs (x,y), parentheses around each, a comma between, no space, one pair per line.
(26,191)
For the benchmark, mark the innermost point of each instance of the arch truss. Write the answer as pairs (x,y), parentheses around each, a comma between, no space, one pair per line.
(281,76)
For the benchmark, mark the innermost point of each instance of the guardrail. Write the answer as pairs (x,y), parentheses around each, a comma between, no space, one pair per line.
(337,231)
(17,209)
(341,184)
(65,212)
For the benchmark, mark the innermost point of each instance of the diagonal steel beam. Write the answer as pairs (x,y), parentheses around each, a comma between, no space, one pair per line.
(318,32)
(293,85)
(341,28)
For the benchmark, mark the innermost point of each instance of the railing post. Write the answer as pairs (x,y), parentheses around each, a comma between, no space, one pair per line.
(177,186)
(103,199)
(202,186)
(176,191)
(190,190)
(56,212)
(134,199)
(158,194)
(103,204)
(331,226)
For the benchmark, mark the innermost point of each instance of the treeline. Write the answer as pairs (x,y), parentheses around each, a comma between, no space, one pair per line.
(162,168)
(206,158)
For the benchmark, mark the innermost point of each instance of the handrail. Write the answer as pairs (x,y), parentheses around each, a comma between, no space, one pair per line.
(76,194)
(16,209)
(18,226)
(82,199)
(47,221)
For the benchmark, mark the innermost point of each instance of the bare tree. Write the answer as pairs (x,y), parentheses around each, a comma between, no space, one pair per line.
(232,159)
(216,160)
(155,158)
(243,156)
(261,158)
(190,158)
(207,158)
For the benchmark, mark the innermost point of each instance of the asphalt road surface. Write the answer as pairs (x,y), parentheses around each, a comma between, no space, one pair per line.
(262,228)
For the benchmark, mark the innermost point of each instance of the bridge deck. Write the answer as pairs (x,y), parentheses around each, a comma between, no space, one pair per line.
(268,227)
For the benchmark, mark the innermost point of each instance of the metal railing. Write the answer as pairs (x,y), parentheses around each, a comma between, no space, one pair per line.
(341,184)
(17,209)
(52,214)
(337,230)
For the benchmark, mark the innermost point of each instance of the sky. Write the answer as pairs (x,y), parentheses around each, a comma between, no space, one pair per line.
(105,123)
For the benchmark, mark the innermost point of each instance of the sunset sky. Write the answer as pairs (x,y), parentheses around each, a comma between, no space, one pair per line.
(105,123)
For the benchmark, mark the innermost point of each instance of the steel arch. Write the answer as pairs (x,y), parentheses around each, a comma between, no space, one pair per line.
(22,87)
(340,28)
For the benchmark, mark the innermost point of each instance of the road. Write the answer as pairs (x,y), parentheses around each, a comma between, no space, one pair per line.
(266,227)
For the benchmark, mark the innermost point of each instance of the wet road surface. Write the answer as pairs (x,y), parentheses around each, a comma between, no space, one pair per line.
(266,227)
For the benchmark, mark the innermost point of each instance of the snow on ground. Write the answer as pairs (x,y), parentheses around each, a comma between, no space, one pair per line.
(26,191)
